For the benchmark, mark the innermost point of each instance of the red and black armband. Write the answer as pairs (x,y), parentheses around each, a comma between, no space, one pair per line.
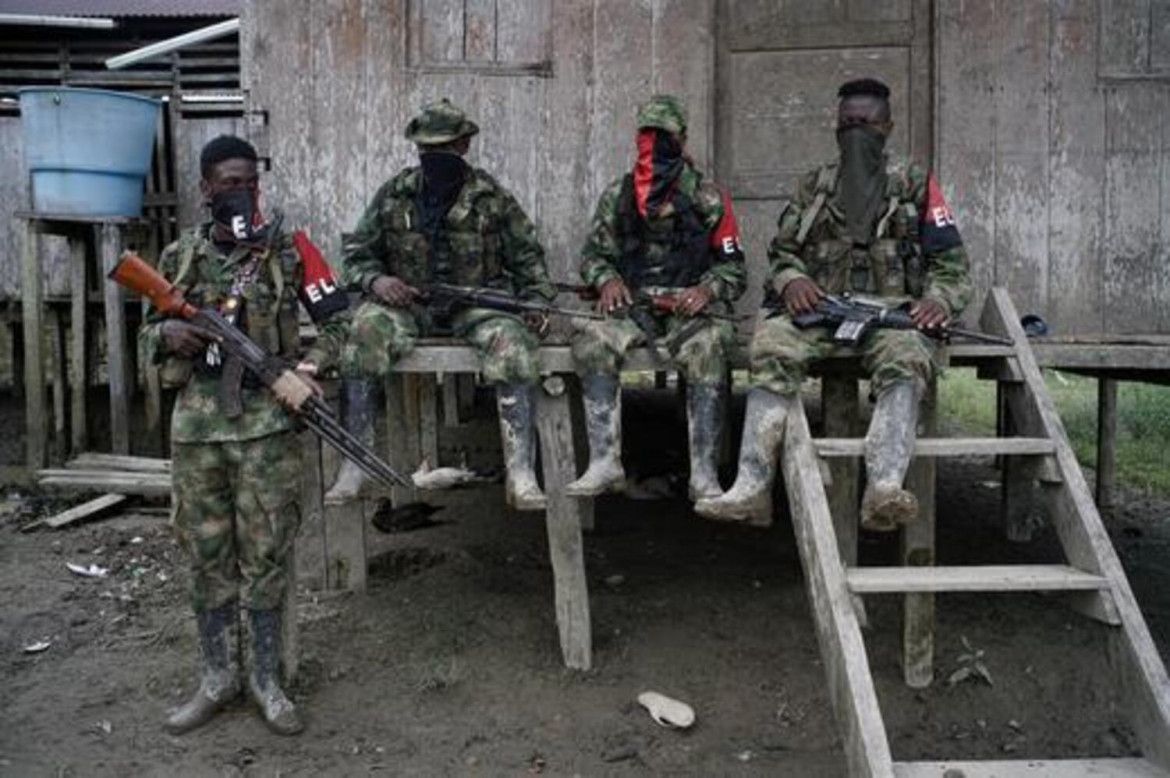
(320,293)
(725,246)
(938,230)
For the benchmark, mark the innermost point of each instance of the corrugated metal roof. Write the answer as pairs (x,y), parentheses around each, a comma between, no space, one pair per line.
(117,8)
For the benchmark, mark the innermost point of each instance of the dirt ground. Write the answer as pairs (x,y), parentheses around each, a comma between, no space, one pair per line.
(450,664)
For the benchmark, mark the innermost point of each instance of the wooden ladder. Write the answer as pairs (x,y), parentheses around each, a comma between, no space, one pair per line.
(1093,576)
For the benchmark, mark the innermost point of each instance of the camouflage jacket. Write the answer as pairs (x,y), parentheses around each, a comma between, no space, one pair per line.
(486,240)
(915,250)
(657,251)
(197,266)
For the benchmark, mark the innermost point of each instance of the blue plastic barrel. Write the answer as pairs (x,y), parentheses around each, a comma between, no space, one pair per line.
(87,151)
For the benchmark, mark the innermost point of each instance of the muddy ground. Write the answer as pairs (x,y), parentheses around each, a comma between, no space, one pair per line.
(450,664)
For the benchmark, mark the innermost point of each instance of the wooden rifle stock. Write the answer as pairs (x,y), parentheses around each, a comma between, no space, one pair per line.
(134,273)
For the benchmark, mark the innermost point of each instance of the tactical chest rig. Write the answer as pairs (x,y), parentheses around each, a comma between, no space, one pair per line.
(890,265)
(674,251)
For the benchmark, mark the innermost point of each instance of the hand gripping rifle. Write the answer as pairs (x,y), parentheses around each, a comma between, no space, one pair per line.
(851,318)
(135,274)
(476,297)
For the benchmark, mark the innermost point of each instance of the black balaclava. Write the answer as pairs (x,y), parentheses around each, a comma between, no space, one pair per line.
(444,173)
(862,184)
(238,212)
(660,162)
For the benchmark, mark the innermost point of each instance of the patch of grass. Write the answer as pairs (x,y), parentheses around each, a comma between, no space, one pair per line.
(967,406)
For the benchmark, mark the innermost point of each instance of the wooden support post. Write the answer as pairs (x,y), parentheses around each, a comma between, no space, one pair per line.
(564,520)
(450,400)
(839,405)
(345,545)
(402,445)
(36,431)
(57,365)
(917,550)
(1106,441)
(428,418)
(121,386)
(79,355)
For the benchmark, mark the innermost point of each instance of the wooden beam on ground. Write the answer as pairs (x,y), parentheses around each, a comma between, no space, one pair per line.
(85,510)
(147,484)
(1106,441)
(979,578)
(847,669)
(1031,768)
(564,520)
(1142,675)
(944,447)
(94,460)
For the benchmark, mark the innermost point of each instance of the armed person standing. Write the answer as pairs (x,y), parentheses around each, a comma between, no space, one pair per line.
(445,222)
(662,230)
(236,462)
(857,225)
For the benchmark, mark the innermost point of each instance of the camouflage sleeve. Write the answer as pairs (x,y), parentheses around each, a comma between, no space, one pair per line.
(365,252)
(523,255)
(727,276)
(948,271)
(784,262)
(600,255)
(150,341)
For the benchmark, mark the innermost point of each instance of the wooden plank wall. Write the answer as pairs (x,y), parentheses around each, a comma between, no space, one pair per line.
(553,86)
(1054,148)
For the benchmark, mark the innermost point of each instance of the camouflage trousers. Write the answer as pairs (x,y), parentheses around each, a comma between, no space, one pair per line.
(601,346)
(780,352)
(380,336)
(237,508)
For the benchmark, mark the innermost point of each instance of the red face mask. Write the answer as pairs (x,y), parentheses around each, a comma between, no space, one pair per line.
(660,162)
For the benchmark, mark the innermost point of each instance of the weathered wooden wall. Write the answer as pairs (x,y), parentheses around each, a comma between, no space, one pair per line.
(1047,121)
(1053,141)
(553,86)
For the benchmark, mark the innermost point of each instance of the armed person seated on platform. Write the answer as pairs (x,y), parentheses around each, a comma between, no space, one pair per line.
(236,461)
(858,225)
(445,221)
(662,230)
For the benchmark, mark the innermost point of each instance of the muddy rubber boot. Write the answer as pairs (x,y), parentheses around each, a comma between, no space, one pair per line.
(750,497)
(357,414)
(704,428)
(517,407)
(889,444)
(264,682)
(601,394)
(219,681)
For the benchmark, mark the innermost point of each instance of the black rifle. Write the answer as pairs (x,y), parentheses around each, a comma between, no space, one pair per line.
(852,318)
(450,295)
(134,273)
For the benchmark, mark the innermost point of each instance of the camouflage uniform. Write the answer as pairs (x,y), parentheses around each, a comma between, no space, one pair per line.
(661,229)
(897,264)
(663,254)
(237,480)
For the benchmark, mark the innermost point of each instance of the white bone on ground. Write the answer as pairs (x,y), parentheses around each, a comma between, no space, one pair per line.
(667,711)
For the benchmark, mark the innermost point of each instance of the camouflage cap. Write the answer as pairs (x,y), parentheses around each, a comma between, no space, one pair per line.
(663,111)
(440,122)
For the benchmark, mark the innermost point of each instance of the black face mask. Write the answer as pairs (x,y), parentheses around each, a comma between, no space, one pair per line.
(443,177)
(235,210)
(862,185)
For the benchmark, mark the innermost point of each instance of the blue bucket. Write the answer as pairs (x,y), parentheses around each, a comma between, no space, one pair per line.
(87,151)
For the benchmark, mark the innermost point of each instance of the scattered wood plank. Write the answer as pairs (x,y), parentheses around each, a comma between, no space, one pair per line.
(944,447)
(979,578)
(92,460)
(85,510)
(147,484)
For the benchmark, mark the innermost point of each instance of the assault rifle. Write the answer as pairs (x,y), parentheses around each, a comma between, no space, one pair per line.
(475,297)
(663,303)
(852,318)
(135,274)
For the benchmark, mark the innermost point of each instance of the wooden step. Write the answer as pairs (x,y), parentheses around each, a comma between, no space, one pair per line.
(1031,768)
(982,578)
(945,447)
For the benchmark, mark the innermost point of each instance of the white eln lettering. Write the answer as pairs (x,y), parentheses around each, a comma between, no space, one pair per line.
(942,216)
(313,293)
(239,226)
(729,245)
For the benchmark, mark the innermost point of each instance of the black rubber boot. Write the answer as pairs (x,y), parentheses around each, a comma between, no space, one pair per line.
(517,408)
(264,682)
(704,428)
(357,414)
(750,497)
(889,445)
(602,397)
(219,681)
